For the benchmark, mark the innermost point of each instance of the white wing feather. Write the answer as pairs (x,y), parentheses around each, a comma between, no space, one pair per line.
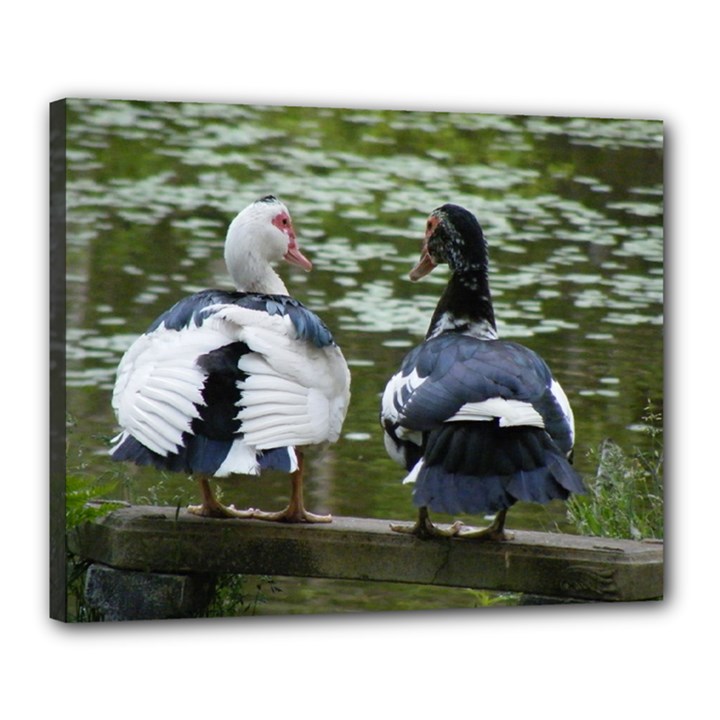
(510,413)
(564,403)
(159,386)
(295,393)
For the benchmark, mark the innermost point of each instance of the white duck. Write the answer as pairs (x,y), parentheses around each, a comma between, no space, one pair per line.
(235,382)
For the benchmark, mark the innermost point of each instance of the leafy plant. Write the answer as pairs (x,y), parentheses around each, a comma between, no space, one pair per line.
(83,500)
(625,499)
(232,598)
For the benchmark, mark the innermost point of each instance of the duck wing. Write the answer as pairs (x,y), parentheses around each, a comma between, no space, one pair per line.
(230,382)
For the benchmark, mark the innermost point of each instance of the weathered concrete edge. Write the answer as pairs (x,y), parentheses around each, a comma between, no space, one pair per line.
(566,566)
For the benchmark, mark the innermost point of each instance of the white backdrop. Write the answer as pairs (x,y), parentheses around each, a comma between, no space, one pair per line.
(612,59)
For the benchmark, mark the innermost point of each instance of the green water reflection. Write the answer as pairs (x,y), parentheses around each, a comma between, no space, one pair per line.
(573,211)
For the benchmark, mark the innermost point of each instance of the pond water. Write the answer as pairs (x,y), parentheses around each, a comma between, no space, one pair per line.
(572,209)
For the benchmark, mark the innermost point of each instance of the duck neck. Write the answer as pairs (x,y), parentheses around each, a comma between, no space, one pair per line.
(256,275)
(465,307)
(247,253)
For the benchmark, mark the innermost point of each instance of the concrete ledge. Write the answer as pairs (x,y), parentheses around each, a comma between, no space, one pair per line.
(132,595)
(164,540)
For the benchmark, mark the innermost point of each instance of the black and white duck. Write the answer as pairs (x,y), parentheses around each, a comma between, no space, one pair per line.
(239,381)
(478,423)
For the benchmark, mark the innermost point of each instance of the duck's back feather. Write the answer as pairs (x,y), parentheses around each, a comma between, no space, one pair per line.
(229,383)
(479,424)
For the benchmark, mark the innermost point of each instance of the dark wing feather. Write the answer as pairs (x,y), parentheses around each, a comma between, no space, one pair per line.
(478,465)
(197,308)
(458,369)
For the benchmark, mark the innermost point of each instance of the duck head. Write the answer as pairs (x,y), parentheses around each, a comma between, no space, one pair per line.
(260,236)
(453,236)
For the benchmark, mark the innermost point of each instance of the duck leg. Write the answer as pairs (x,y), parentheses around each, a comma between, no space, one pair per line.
(295,511)
(494,531)
(425,529)
(211,507)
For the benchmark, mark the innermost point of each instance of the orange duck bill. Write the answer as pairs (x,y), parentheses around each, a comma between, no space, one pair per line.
(425,264)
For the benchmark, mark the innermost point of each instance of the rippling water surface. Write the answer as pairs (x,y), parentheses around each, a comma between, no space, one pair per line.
(573,212)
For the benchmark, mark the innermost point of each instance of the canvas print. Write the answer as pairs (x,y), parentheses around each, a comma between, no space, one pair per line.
(331,360)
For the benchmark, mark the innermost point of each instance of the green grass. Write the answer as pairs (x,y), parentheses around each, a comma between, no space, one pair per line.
(625,498)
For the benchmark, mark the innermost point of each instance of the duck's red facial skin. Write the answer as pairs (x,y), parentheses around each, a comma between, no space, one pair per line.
(293,255)
(283,223)
(425,264)
(432,223)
